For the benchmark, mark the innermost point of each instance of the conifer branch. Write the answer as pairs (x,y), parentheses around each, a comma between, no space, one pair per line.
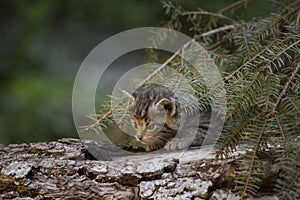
(223,28)
(150,76)
(180,71)
(207,13)
(230,76)
(286,86)
(120,121)
(245,39)
(261,61)
(283,136)
(293,103)
(292,5)
(104,116)
(244,193)
(226,143)
(272,24)
(234,5)
(237,104)
(297,21)
(286,6)
(291,184)
(268,90)
(280,53)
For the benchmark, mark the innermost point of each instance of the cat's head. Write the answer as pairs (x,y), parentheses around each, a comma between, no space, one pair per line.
(154,116)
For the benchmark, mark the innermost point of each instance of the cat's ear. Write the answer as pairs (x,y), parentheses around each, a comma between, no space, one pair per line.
(168,105)
(131,98)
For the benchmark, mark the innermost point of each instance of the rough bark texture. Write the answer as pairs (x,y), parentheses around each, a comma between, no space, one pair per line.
(65,170)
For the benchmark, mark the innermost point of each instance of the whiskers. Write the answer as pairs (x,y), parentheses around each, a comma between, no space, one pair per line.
(158,141)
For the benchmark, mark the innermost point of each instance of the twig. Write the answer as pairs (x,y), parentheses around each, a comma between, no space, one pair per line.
(124,113)
(252,82)
(253,158)
(244,93)
(281,52)
(294,3)
(268,91)
(230,76)
(273,23)
(283,136)
(104,116)
(225,144)
(181,68)
(278,3)
(245,39)
(286,87)
(223,28)
(207,13)
(233,5)
(297,21)
(285,6)
(225,37)
(291,184)
(150,76)
(292,102)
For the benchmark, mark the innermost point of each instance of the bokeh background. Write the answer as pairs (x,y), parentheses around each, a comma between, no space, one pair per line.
(42,44)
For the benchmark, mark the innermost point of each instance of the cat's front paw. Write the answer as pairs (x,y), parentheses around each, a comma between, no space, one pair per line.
(149,148)
(177,144)
(153,147)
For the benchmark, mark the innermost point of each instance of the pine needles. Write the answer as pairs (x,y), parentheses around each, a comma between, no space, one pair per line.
(261,60)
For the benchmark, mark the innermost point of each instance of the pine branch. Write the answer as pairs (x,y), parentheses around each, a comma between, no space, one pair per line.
(120,121)
(283,136)
(225,144)
(244,193)
(217,30)
(291,184)
(286,86)
(264,50)
(261,61)
(246,40)
(273,24)
(188,13)
(235,5)
(150,76)
(297,21)
(104,116)
(293,103)
(180,70)
(238,103)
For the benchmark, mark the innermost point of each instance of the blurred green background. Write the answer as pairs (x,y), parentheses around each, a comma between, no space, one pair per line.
(42,46)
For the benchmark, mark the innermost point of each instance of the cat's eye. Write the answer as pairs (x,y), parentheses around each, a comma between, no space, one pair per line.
(150,126)
(135,125)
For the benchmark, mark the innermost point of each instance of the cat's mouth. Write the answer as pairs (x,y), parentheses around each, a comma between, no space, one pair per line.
(154,139)
(145,140)
(153,143)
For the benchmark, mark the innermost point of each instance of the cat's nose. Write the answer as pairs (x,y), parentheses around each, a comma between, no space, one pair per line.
(139,137)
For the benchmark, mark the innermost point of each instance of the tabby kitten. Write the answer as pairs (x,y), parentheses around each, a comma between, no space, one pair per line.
(157,118)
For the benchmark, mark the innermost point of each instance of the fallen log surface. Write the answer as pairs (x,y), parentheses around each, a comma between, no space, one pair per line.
(65,169)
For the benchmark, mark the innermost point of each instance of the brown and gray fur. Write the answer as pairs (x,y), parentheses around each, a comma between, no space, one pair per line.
(156,117)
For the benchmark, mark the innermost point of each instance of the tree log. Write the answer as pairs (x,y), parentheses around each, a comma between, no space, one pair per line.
(65,169)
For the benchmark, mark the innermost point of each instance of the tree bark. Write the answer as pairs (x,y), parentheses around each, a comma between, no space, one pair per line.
(65,169)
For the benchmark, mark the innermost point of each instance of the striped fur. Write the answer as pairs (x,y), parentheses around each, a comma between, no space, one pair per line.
(156,117)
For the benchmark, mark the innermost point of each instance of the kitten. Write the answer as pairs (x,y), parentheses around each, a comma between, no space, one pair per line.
(157,118)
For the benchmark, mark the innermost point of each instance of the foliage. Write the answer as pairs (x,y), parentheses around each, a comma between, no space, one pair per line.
(261,63)
(37,99)
(260,60)
(42,46)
